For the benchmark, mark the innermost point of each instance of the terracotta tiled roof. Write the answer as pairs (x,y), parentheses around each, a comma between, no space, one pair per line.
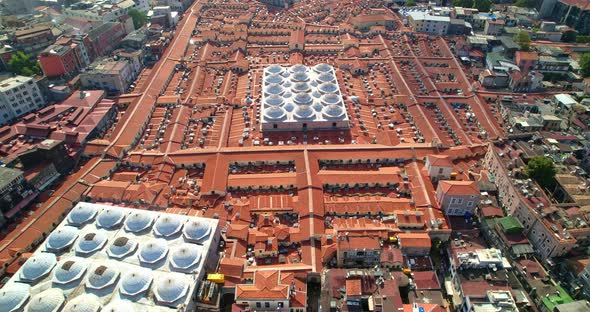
(426,280)
(232,266)
(459,187)
(266,286)
(353,287)
(414,240)
(439,160)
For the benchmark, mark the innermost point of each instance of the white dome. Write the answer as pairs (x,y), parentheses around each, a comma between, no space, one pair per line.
(196,230)
(185,256)
(119,306)
(330,98)
(274,89)
(274,113)
(325,77)
(49,300)
(169,290)
(61,238)
(274,100)
(81,214)
(135,282)
(328,87)
(101,276)
(289,107)
(167,225)
(153,251)
(138,221)
(83,303)
(272,79)
(38,266)
(302,99)
(304,112)
(317,107)
(91,242)
(322,68)
(13,296)
(333,111)
(300,87)
(121,247)
(299,77)
(109,218)
(69,270)
(274,69)
(299,68)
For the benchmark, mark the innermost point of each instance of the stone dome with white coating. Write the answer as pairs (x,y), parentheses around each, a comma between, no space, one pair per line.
(328,87)
(101,276)
(273,79)
(138,221)
(301,86)
(304,112)
(83,303)
(330,98)
(153,251)
(13,296)
(274,100)
(37,267)
(135,281)
(50,300)
(110,218)
(302,99)
(322,68)
(61,238)
(274,69)
(69,270)
(299,77)
(81,214)
(333,111)
(299,68)
(167,225)
(121,247)
(91,242)
(325,77)
(119,306)
(275,113)
(196,231)
(185,256)
(169,290)
(275,89)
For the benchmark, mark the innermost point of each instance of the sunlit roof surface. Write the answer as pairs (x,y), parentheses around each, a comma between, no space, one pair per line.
(108,258)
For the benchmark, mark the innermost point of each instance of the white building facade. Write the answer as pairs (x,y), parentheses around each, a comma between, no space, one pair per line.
(19,95)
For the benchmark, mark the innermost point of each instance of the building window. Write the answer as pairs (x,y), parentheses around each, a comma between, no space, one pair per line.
(258,305)
(469,204)
(267,304)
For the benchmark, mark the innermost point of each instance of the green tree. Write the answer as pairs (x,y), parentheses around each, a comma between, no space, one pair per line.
(541,169)
(139,19)
(411,3)
(483,5)
(525,3)
(585,64)
(463,3)
(523,39)
(22,64)
(583,39)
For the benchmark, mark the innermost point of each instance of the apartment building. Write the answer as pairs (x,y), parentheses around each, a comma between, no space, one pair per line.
(104,11)
(18,96)
(457,198)
(523,199)
(59,60)
(358,251)
(439,167)
(273,290)
(427,23)
(33,40)
(112,76)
